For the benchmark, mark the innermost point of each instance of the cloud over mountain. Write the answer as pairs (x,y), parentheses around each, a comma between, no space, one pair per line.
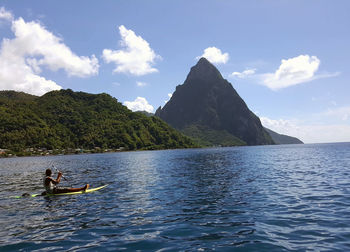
(136,56)
(214,55)
(139,104)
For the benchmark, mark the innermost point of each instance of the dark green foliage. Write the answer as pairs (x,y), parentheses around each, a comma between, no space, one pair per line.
(145,113)
(208,137)
(283,139)
(206,99)
(66,119)
(10,96)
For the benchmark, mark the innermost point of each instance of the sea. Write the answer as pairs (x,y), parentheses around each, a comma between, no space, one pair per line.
(259,198)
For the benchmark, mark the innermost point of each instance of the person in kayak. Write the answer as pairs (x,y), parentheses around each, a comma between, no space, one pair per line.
(50,184)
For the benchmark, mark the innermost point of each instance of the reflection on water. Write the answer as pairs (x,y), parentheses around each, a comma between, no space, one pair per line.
(267,198)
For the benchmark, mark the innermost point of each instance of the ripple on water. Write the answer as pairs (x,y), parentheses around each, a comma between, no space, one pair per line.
(264,198)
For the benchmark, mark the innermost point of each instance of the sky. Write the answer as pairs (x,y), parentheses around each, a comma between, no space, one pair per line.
(288,59)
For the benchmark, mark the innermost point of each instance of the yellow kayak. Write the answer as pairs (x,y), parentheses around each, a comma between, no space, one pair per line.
(61,194)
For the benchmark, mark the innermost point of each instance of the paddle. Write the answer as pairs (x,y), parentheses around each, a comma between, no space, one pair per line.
(62,174)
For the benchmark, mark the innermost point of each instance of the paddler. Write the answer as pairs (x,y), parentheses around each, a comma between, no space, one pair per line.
(50,184)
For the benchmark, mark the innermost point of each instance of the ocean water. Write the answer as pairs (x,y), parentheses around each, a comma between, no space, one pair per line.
(264,198)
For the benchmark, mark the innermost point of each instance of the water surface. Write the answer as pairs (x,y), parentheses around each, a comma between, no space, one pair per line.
(265,198)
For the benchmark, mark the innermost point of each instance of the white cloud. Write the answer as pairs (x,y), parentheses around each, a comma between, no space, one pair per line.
(139,104)
(214,55)
(136,57)
(141,84)
(34,47)
(309,133)
(32,40)
(244,74)
(295,71)
(169,96)
(6,15)
(292,71)
(281,126)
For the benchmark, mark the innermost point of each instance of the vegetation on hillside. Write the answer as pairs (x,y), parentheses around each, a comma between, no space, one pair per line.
(66,119)
(205,136)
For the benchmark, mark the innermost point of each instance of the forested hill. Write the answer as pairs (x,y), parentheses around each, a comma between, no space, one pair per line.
(9,96)
(66,119)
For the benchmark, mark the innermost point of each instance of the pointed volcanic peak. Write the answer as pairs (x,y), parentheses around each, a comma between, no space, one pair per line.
(203,70)
(206,102)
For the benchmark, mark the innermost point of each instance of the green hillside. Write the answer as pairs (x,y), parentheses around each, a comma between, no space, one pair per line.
(66,119)
(206,136)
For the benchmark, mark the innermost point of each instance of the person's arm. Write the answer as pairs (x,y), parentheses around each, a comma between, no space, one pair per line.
(58,180)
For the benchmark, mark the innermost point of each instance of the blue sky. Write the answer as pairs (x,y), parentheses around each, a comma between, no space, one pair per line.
(287,59)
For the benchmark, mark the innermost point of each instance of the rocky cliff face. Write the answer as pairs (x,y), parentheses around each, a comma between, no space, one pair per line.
(207,100)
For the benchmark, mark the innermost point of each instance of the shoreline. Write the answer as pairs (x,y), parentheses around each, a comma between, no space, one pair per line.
(12,154)
(65,152)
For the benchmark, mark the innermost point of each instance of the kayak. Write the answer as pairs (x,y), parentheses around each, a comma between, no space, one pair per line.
(61,194)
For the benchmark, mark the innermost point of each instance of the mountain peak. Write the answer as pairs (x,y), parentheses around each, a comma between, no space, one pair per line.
(207,107)
(204,70)
(203,60)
